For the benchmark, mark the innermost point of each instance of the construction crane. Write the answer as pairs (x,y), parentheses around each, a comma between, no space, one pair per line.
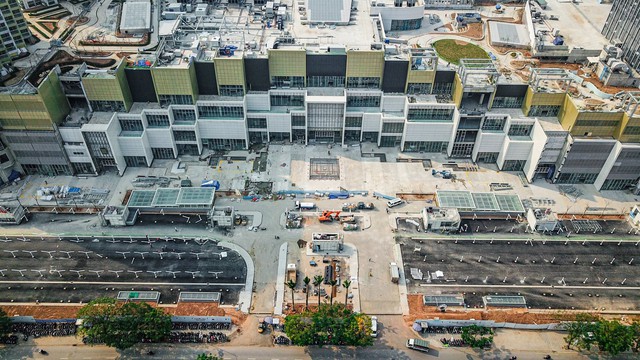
(446,174)
(329,215)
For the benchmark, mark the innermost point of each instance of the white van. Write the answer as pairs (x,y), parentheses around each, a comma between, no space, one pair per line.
(394,202)
(374,326)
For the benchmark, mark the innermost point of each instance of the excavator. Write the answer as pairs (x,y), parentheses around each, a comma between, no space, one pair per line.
(329,215)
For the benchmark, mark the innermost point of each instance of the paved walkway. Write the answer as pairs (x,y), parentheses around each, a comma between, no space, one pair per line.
(244,300)
(282,269)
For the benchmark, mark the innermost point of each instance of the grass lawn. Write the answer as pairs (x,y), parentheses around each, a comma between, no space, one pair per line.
(453,50)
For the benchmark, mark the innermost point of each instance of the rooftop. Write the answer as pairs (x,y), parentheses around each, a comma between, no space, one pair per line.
(169,197)
(472,201)
(136,15)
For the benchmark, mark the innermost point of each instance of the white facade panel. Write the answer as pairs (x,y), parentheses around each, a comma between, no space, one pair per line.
(608,165)
(518,150)
(131,146)
(77,153)
(71,134)
(428,131)
(160,138)
(222,129)
(279,123)
(258,102)
(490,141)
(371,122)
(539,141)
(393,103)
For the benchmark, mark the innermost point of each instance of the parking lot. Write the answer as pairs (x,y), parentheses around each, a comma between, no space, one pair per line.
(559,274)
(51,269)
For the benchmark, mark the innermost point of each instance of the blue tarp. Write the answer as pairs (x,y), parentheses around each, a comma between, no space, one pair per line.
(73,190)
(13,176)
(210,184)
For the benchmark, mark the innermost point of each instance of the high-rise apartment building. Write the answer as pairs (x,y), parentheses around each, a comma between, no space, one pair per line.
(14,32)
(621,29)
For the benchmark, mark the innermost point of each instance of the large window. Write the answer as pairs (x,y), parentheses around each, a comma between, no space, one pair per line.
(175,99)
(520,129)
(257,123)
(231,90)
(353,121)
(107,106)
(430,114)
(631,130)
(363,82)
(363,101)
(157,120)
(513,165)
(507,102)
(181,135)
(162,153)
(287,100)
(325,81)
(135,161)
(494,124)
(221,112)
(410,24)
(393,127)
(419,88)
(487,157)
(544,110)
(287,81)
(298,120)
(130,125)
(184,115)
(426,146)
(596,123)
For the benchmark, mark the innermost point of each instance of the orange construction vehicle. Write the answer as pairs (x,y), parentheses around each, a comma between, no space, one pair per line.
(329,215)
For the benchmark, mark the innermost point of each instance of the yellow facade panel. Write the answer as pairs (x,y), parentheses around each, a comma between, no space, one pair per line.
(365,63)
(283,62)
(229,71)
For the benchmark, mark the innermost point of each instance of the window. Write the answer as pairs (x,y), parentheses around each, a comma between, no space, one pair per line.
(520,129)
(135,161)
(107,106)
(221,112)
(325,81)
(596,123)
(507,102)
(78,153)
(392,127)
(130,125)
(410,24)
(419,88)
(287,100)
(618,184)
(231,90)
(363,101)
(487,157)
(363,82)
(430,114)
(157,120)
(185,115)
(162,153)
(287,81)
(353,121)
(257,123)
(82,168)
(298,120)
(179,135)
(493,124)
(577,178)
(513,165)
(632,130)
(175,99)
(3,158)
(426,146)
(544,110)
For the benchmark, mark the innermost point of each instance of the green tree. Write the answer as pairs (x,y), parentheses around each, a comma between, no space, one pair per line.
(613,337)
(292,285)
(635,331)
(5,323)
(306,282)
(122,325)
(346,284)
(333,284)
(204,356)
(580,333)
(317,280)
(330,324)
(477,336)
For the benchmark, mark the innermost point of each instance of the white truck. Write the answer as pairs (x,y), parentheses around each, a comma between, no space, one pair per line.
(395,272)
(418,344)
(305,205)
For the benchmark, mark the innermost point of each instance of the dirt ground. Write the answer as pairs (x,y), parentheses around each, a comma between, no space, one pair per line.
(474,31)
(69,311)
(520,316)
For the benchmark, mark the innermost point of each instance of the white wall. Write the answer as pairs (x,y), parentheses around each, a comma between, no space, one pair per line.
(539,141)
(608,165)
(222,129)
(391,12)
(488,142)
(432,131)
(393,103)
(279,123)
(371,122)
(258,102)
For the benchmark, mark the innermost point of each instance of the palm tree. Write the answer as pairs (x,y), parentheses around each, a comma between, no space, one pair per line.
(317,280)
(346,284)
(292,285)
(333,287)
(306,282)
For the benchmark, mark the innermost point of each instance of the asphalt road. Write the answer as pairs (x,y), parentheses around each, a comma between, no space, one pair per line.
(73,269)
